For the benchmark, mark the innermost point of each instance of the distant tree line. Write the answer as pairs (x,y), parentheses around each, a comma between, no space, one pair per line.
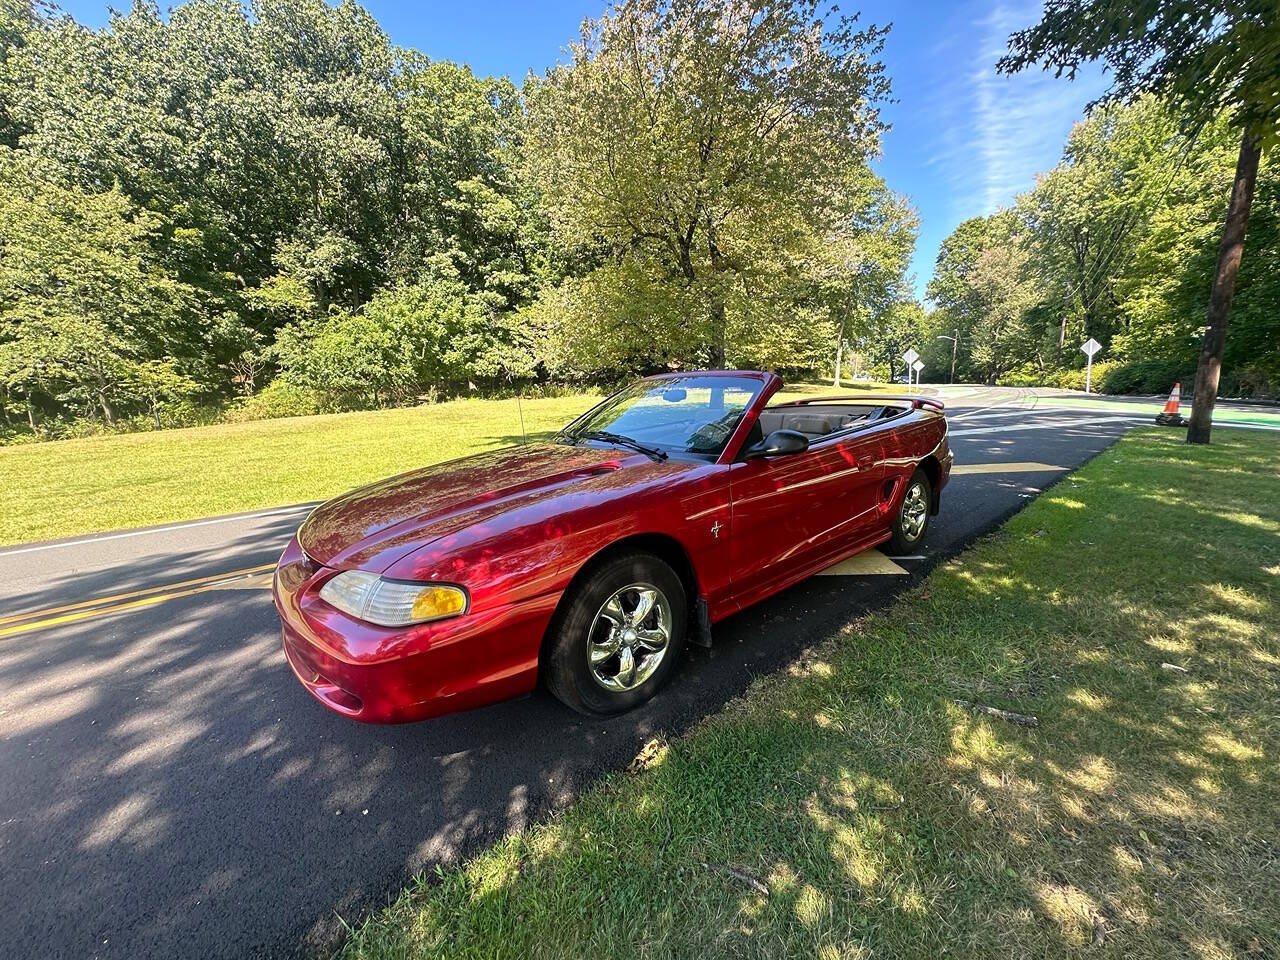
(1117,243)
(1158,234)
(272,209)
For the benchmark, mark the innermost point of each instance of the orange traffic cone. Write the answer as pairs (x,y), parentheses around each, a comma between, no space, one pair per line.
(1170,416)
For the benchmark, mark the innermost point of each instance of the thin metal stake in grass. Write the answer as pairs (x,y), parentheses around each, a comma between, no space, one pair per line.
(1021,719)
(742,875)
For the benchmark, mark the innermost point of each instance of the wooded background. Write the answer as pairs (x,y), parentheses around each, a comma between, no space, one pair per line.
(241,211)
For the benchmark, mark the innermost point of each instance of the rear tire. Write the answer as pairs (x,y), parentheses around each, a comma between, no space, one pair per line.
(912,519)
(618,636)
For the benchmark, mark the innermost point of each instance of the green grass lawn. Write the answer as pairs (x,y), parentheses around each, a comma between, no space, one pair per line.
(73,487)
(880,818)
(106,483)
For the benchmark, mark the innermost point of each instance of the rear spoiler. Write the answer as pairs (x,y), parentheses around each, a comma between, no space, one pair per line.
(916,402)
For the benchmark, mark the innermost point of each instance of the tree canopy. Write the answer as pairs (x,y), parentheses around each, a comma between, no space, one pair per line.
(265,208)
(698,153)
(1212,63)
(276,190)
(1119,242)
(1209,60)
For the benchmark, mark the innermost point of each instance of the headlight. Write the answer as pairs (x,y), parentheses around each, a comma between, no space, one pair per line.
(392,603)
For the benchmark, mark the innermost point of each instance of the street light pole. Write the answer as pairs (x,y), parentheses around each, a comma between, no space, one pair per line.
(955,345)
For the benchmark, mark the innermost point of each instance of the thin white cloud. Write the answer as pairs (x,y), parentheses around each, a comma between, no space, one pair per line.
(966,140)
(1019,123)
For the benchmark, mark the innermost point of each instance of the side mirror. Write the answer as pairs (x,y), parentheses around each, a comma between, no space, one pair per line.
(779,444)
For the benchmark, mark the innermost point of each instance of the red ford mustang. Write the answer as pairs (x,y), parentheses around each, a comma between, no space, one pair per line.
(592,559)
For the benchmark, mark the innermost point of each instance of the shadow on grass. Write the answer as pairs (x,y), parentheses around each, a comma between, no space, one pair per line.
(1132,610)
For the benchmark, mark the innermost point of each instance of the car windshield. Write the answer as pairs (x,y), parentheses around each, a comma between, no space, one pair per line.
(694,414)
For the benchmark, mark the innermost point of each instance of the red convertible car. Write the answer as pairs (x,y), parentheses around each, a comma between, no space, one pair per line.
(590,560)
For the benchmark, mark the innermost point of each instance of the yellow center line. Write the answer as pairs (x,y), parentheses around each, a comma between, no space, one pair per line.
(98,602)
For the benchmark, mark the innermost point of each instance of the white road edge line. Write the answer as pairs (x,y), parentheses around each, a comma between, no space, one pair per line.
(1055,424)
(279,511)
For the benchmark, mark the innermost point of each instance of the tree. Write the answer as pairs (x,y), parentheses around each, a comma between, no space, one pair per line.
(899,328)
(860,267)
(18,18)
(1084,216)
(694,145)
(81,300)
(159,382)
(951,289)
(288,161)
(1121,243)
(1000,294)
(1210,60)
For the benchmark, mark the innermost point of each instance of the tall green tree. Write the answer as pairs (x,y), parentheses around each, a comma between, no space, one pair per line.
(1209,59)
(18,19)
(957,311)
(1084,216)
(861,266)
(289,162)
(1000,293)
(83,302)
(695,145)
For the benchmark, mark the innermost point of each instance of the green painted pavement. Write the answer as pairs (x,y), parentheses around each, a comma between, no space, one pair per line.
(1220,414)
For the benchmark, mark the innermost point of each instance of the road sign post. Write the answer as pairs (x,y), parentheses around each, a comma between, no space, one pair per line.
(910,357)
(1089,348)
(917,367)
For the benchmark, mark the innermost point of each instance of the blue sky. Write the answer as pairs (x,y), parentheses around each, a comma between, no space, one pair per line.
(964,140)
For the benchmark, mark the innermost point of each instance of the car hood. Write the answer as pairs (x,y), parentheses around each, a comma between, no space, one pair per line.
(374,526)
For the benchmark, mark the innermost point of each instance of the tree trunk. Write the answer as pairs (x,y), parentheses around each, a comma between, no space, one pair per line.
(1224,287)
(107,415)
(839,353)
(716,357)
(718,333)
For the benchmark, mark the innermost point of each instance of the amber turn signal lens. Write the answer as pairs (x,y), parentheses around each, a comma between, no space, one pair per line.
(436,602)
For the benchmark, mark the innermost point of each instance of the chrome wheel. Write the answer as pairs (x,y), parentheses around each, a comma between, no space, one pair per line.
(629,637)
(915,512)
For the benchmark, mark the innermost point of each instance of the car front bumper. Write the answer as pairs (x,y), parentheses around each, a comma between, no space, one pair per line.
(396,675)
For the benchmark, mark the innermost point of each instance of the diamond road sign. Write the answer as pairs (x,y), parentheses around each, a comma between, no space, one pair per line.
(911,356)
(1090,347)
(917,366)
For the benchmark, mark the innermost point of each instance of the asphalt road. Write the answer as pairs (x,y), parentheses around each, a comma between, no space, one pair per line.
(167,788)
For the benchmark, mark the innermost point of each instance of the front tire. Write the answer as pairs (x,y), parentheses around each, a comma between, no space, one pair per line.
(619,635)
(912,519)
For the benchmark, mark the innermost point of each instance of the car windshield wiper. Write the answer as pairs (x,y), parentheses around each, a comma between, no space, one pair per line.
(621,440)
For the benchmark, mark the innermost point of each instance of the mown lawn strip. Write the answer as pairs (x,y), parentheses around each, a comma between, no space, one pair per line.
(72,487)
